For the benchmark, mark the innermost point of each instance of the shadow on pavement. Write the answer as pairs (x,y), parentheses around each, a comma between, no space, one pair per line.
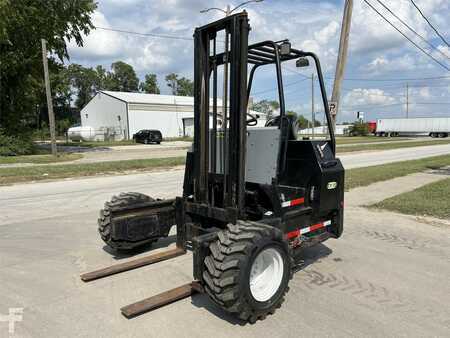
(149,247)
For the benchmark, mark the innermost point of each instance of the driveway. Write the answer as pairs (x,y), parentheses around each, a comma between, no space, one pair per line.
(387,276)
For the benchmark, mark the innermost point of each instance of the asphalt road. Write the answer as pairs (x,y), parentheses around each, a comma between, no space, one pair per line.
(350,160)
(387,276)
(369,158)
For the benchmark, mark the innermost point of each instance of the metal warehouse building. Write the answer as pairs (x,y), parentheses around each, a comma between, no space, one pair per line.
(119,115)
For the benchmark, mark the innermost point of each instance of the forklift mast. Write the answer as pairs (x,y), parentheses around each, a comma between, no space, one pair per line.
(234,124)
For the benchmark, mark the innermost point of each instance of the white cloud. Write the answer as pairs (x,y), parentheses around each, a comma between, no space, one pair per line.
(99,44)
(384,64)
(366,97)
(376,49)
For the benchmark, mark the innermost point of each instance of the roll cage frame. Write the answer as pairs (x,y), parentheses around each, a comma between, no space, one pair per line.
(237,55)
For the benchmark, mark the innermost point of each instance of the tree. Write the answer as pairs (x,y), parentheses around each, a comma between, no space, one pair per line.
(150,84)
(303,122)
(86,81)
(122,78)
(266,107)
(180,86)
(23,25)
(359,128)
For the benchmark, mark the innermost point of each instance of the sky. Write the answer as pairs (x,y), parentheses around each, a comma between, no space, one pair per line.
(381,62)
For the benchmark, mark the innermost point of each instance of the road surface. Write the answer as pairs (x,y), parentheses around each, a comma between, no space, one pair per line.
(387,276)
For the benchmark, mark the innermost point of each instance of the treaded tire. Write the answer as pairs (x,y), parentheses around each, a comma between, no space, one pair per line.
(104,221)
(227,269)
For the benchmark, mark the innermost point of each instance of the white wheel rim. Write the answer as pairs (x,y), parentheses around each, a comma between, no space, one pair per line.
(266,274)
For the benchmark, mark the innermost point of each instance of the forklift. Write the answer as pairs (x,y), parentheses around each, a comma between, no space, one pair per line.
(253,198)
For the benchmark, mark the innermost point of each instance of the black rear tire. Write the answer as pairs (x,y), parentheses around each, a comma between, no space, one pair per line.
(228,266)
(104,221)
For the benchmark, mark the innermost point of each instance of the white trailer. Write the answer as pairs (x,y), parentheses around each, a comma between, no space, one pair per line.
(432,126)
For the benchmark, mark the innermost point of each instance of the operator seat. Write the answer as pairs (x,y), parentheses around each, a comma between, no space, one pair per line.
(292,125)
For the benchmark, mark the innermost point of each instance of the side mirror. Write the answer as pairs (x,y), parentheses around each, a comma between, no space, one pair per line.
(285,48)
(302,62)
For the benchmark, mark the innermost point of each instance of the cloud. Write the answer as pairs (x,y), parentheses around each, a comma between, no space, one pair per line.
(99,44)
(376,49)
(362,97)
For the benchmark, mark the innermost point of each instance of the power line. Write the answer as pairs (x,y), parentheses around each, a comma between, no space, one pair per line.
(165,36)
(430,24)
(372,105)
(412,30)
(161,36)
(406,37)
(276,88)
(393,80)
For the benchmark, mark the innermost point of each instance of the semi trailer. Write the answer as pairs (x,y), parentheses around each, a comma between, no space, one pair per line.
(431,126)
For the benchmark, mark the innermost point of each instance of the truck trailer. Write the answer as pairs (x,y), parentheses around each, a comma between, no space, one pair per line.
(432,126)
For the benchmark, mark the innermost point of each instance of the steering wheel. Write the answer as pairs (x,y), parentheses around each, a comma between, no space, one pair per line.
(252,120)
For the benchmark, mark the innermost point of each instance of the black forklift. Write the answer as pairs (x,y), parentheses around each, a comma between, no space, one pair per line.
(252,197)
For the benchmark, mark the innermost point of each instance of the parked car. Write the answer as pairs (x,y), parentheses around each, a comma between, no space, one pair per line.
(148,136)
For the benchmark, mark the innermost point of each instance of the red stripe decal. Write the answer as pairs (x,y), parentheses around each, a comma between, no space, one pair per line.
(316,226)
(293,234)
(297,201)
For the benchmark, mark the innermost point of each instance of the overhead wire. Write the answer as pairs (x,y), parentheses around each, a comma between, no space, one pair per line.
(406,37)
(429,23)
(412,30)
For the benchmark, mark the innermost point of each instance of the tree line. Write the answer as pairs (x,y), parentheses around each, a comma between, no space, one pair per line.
(269,107)
(23,106)
(83,82)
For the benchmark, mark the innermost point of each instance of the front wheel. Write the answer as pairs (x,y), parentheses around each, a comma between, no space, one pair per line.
(248,270)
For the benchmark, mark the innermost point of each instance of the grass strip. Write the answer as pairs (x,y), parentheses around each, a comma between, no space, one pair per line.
(367,139)
(360,177)
(430,200)
(353,177)
(387,146)
(39,159)
(36,173)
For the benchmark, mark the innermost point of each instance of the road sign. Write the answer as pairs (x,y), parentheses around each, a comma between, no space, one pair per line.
(333,108)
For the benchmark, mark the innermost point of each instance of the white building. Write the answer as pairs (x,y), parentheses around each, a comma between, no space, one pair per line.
(341,129)
(119,115)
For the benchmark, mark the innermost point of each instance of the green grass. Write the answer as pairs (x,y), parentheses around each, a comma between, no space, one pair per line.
(98,143)
(39,159)
(367,139)
(365,176)
(93,144)
(35,173)
(387,146)
(430,200)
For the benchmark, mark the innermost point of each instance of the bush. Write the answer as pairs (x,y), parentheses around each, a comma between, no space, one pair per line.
(15,145)
(359,129)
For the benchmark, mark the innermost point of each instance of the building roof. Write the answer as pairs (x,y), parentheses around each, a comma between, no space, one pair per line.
(150,98)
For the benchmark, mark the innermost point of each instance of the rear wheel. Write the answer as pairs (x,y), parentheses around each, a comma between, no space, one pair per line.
(248,270)
(104,221)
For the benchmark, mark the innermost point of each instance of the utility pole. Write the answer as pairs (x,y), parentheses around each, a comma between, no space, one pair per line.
(342,57)
(407,100)
(51,116)
(313,114)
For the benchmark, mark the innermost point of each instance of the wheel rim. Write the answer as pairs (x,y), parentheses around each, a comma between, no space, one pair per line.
(266,274)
